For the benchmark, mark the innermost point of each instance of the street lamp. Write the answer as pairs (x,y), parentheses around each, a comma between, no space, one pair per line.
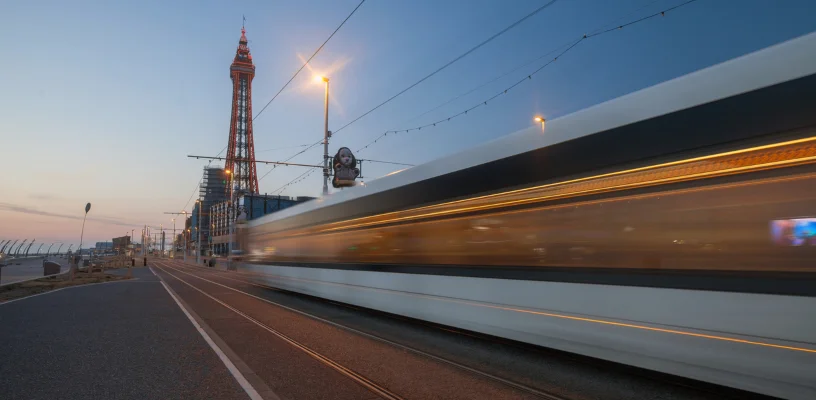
(326,136)
(60,248)
(198,230)
(184,234)
(541,121)
(173,255)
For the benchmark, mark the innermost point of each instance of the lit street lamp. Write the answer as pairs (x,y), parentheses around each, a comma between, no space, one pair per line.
(541,121)
(326,136)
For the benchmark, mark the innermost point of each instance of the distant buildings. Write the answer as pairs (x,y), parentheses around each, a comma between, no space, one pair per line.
(120,244)
(251,206)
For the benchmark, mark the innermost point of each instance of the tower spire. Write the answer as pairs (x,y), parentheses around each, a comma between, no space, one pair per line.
(241,148)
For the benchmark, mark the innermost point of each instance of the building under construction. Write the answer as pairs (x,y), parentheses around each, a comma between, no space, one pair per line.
(213,190)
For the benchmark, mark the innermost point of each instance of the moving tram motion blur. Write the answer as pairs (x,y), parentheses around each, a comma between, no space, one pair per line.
(672,229)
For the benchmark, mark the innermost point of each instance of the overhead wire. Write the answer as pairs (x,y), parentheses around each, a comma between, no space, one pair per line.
(282,148)
(528,77)
(449,63)
(201,180)
(461,56)
(571,45)
(307,61)
(293,77)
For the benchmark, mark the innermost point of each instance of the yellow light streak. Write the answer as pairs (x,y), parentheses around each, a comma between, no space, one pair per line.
(804,152)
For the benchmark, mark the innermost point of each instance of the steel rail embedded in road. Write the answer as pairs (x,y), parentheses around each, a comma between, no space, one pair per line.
(455,364)
(361,379)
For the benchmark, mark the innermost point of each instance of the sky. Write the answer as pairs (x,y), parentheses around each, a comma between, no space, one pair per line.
(101,101)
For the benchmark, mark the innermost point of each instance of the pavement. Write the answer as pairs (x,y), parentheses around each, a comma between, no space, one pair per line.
(21,269)
(120,340)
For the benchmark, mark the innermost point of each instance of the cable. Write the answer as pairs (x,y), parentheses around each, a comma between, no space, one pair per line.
(307,61)
(388,162)
(293,156)
(296,180)
(282,148)
(491,81)
(293,78)
(529,76)
(201,180)
(463,55)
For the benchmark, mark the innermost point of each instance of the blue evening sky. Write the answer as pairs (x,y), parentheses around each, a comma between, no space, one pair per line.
(101,101)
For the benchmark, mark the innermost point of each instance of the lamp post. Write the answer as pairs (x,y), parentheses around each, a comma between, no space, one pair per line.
(229,214)
(326,136)
(40,248)
(185,235)
(198,230)
(541,121)
(173,255)
(48,253)
(81,237)
(60,248)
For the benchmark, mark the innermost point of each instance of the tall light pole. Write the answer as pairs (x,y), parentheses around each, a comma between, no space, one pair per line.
(82,235)
(60,248)
(198,230)
(185,235)
(230,213)
(48,253)
(325,137)
(39,248)
(173,255)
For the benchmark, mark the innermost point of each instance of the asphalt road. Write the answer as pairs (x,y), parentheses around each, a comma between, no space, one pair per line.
(121,340)
(265,328)
(28,268)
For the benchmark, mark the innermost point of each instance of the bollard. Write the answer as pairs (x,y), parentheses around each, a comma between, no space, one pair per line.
(132,262)
(145,261)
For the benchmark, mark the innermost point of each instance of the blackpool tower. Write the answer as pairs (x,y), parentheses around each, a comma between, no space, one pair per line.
(241,149)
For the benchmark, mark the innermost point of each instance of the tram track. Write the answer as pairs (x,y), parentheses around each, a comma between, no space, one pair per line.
(187,275)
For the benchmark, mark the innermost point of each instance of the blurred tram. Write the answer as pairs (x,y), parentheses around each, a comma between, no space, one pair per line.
(672,229)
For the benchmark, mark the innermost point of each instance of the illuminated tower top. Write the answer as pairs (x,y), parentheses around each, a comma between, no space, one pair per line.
(241,149)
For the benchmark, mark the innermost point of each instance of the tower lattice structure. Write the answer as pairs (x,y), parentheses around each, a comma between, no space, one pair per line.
(241,149)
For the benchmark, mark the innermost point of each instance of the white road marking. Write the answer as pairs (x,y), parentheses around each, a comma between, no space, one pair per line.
(253,394)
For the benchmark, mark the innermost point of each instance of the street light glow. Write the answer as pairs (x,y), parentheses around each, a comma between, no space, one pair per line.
(320,78)
(538,118)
